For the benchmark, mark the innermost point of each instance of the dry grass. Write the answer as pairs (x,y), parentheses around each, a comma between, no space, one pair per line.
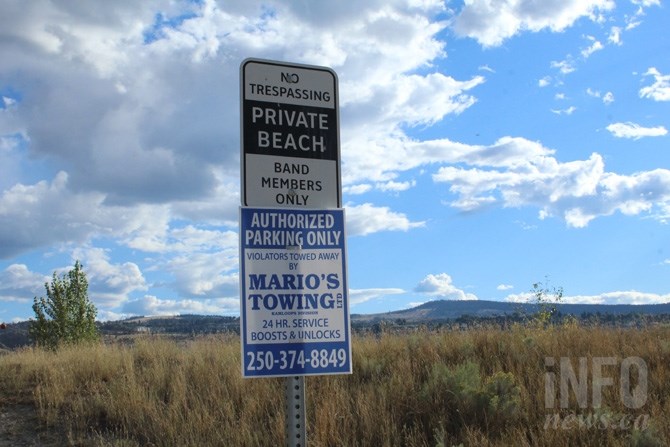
(476,388)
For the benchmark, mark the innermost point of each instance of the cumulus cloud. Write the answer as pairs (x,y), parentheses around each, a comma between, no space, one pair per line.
(525,174)
(110,284)
(635,131)
(26,211)
(205,275)
(48,213)
(18,283)
(441,286)
(136,111)
(367,218)
(129,127)
(491,23)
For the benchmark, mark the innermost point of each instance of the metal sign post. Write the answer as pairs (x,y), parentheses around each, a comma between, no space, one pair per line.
(296,415)
(294,318)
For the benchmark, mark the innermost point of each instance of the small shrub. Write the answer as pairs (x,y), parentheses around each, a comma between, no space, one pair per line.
(461,396)
(646,438)
(503,398)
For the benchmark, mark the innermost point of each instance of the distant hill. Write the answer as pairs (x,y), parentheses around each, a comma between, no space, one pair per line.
(449,310)
(16,334)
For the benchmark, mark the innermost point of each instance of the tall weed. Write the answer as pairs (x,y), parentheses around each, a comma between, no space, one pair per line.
(484,387)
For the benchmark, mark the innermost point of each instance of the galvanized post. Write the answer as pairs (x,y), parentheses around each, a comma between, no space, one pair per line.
(296,414)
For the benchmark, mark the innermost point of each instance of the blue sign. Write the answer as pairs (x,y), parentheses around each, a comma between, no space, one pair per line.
(295,304)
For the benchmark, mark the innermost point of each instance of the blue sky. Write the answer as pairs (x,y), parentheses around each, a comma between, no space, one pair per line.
(485,146)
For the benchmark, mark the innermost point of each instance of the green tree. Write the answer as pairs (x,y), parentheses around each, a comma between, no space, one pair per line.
(66,315)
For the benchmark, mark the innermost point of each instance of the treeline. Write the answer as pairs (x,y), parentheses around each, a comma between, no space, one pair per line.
(466,322)
(183,324)
(16,335)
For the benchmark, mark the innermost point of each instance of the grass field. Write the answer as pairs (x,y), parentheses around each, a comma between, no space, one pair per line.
(486,387)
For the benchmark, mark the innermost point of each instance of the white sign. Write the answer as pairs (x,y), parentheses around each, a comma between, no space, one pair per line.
(290,135)
(295,305)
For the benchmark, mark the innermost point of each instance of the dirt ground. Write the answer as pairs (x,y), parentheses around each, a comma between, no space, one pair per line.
(19,427)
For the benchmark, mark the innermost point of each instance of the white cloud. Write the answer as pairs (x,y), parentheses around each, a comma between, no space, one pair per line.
(504,287)
(525,297)
(109,284)
(358,296)
(441,286)
(491,23)
(568,111)
(635,131)
(7,102)
(624,297)
(647,3)
(660,89)
(26,211)
(184,240)
(632,23)
(525,173)
(374,122)
(144,143)
(18,283)
(544,82)
(356,189)
(152,306)
(615,36)
(42,214)
(608,98)
(205,275)
(396,186)
(367,218)
(130,101)
(565,66)
(595,46)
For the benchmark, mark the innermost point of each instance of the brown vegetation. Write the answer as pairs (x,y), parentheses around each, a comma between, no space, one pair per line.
(476,388)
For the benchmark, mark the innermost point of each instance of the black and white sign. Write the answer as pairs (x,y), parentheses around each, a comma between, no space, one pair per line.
(290,135)
(295,304)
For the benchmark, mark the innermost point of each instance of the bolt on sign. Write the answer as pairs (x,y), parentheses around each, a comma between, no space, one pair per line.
(290,135)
